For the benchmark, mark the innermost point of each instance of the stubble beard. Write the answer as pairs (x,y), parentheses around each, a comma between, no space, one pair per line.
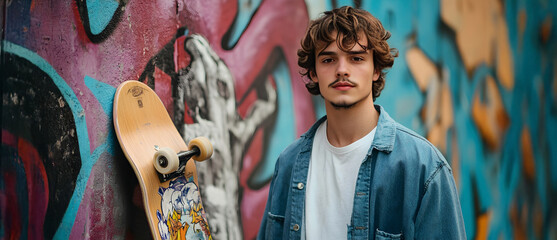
(339,106)
(343,105)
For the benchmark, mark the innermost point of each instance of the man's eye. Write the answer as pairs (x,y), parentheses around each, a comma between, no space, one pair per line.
(357,59)
(327,60)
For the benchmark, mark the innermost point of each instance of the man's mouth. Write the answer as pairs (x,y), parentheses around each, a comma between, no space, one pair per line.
(342,84)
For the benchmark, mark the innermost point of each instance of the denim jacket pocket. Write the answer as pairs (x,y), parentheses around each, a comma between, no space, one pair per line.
(380,235)
(275,226)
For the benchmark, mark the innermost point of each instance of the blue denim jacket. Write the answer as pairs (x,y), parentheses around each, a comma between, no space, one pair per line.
(405,189)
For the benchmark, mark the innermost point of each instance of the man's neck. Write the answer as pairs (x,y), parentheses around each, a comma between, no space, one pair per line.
(345,126)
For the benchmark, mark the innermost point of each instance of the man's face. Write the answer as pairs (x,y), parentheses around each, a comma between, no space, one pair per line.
(345,78)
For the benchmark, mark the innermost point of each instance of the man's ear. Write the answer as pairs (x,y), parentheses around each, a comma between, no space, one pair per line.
(376,75)
(312,76)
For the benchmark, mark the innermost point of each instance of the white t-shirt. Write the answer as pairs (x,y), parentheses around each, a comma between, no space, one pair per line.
(331,184)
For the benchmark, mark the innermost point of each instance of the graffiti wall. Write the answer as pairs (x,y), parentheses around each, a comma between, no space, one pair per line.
(478,78)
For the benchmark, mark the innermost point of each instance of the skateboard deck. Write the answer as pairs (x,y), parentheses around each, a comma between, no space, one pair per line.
(152,145)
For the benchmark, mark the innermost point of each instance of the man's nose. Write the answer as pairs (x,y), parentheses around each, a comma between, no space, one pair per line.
(342,69)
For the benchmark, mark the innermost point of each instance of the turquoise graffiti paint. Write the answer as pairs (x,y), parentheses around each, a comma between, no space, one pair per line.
(100,13)
(105,95)
(282,133)
(246,10)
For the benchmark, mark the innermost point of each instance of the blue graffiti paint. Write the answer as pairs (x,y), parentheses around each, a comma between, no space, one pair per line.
(428,17)
(340,3)
(105,95)
(18,20)
(551,130)
(100,13)
(246,10)
(319,106)
(103,92)
(328,4)
(282,134)
(401,96)
(67,222)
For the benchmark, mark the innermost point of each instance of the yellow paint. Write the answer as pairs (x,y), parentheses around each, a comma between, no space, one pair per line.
(491,118)
(545,30)
(505,69)
(176,230)
(481,35)
(194,213)
(482,224)
(447,113)
(423,70)
(528,160)
(450,13)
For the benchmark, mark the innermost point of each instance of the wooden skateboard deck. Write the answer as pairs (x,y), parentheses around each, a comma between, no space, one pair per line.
(172,202)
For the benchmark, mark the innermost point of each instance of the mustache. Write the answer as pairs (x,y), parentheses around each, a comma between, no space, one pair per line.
(343,80)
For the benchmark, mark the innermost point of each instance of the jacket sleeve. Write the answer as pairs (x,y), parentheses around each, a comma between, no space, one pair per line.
(439,215)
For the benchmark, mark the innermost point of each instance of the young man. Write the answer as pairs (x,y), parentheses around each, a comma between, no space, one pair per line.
(357,174)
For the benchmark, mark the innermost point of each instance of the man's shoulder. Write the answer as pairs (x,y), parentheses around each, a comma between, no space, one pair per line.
(413,154)
(392,136)
(415,146)
(412,138)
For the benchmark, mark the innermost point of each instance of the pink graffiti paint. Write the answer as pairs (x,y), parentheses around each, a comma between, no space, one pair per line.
(254,204)
(99,215)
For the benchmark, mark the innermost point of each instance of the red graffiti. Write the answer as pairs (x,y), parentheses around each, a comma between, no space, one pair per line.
(33,179)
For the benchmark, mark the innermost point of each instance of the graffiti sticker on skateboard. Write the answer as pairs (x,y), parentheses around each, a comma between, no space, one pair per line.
(160,159)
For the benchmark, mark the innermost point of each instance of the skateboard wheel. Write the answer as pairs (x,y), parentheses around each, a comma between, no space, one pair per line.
(166,160)
(205,148)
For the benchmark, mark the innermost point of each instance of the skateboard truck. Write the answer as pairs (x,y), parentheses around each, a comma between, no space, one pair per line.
(170,164)
(164,161)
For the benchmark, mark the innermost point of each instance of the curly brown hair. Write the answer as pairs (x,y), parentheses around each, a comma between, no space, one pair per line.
(347,23)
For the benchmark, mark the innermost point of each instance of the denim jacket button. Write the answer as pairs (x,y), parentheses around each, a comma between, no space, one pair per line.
(300,186)
(296,227)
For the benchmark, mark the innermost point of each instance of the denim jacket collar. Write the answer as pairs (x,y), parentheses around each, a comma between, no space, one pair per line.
(384,139)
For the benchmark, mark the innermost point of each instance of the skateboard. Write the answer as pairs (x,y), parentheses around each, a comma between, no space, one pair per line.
(162,163)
